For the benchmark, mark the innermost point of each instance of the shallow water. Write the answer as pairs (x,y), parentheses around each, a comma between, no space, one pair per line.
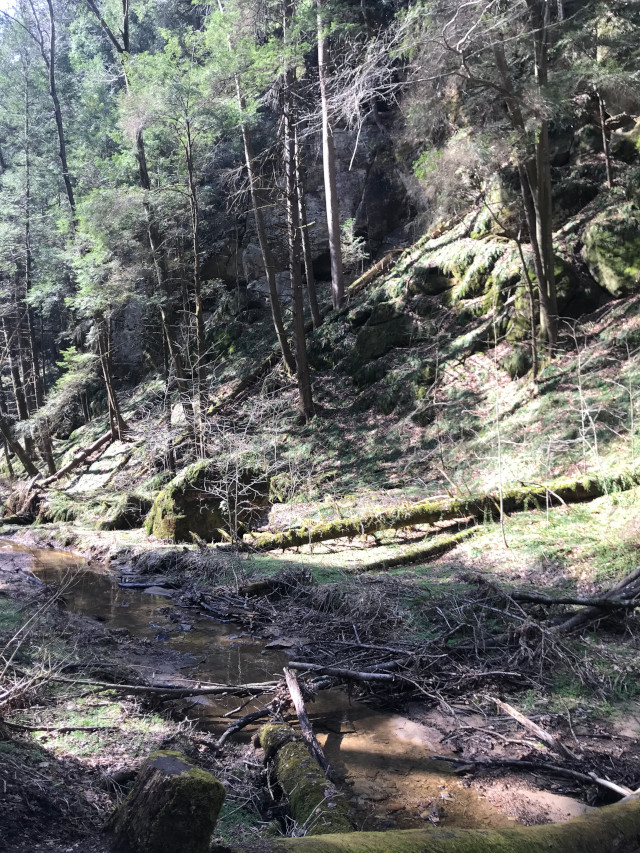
(383,758)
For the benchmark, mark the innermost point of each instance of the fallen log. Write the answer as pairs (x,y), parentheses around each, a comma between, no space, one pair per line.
(479,507)
(589,614)
(417,553)
(373,272)
(612,829)
(339,672)
(308,734)
(173,805)
(173,691)
(78,459)
(315,803)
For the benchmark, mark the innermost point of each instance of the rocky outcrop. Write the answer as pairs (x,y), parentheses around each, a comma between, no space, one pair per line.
(204,501)
(612,249)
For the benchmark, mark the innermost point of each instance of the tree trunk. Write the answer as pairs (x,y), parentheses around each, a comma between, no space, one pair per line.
(312,295)
(16,448)
(267,256)
(16,382)
(118,426)
(293,231)
(329,166)
(53,91)
(605,139)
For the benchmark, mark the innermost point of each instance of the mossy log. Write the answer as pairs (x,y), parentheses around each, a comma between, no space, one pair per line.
(612,829)
(313,800)
(174,805)
(479,507)
(425,550)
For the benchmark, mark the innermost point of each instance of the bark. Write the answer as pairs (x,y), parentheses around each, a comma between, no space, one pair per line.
(118,426)
(308,734)
(312,295)
(53,91)
(611,829)
(16,448)
(535,185)
(305,397)
(267,256)
(605,139)
(79,458)
(16,381)
(432,511)
(329,166)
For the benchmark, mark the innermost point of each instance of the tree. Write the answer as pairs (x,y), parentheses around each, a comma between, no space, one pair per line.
(329,165)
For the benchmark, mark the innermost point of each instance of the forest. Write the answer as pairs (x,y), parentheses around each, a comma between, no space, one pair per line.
(319,425)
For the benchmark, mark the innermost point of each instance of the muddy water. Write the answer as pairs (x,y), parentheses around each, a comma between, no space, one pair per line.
(383,758)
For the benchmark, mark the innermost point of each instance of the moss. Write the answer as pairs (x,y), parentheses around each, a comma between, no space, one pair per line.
(127,513)
(273,736)
(313,800)
(612,829)
(612,249)
(174,805)
(192,502)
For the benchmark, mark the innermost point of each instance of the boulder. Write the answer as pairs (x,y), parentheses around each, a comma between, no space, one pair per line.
(173,806)
(202,501)
(625,144)
(612,249)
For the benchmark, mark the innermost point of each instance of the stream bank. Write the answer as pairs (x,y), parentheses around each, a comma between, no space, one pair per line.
(382,758)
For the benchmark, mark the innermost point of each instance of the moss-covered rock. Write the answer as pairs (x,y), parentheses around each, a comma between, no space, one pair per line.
(612,249)
(625,144)
(127,513)
(173,806)
(194,502)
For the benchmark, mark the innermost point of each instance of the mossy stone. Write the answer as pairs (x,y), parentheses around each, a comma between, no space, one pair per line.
(612,249)
(173,805)
(192,503)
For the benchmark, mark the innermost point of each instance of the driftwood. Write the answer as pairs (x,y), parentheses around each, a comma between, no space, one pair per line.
(308,734)
(542,734)
(612,829)
(478,507)
(78,459)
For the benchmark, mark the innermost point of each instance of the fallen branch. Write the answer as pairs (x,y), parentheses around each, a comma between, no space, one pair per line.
(243,722)
(308,734)
(373,272)
(338,672)
(59,729)
(77,460)
(424,551)
(542,734)
(478,507)
(616,593)
(540,766)
(178,692)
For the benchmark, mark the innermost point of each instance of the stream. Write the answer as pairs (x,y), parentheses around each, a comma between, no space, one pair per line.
(383,758)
